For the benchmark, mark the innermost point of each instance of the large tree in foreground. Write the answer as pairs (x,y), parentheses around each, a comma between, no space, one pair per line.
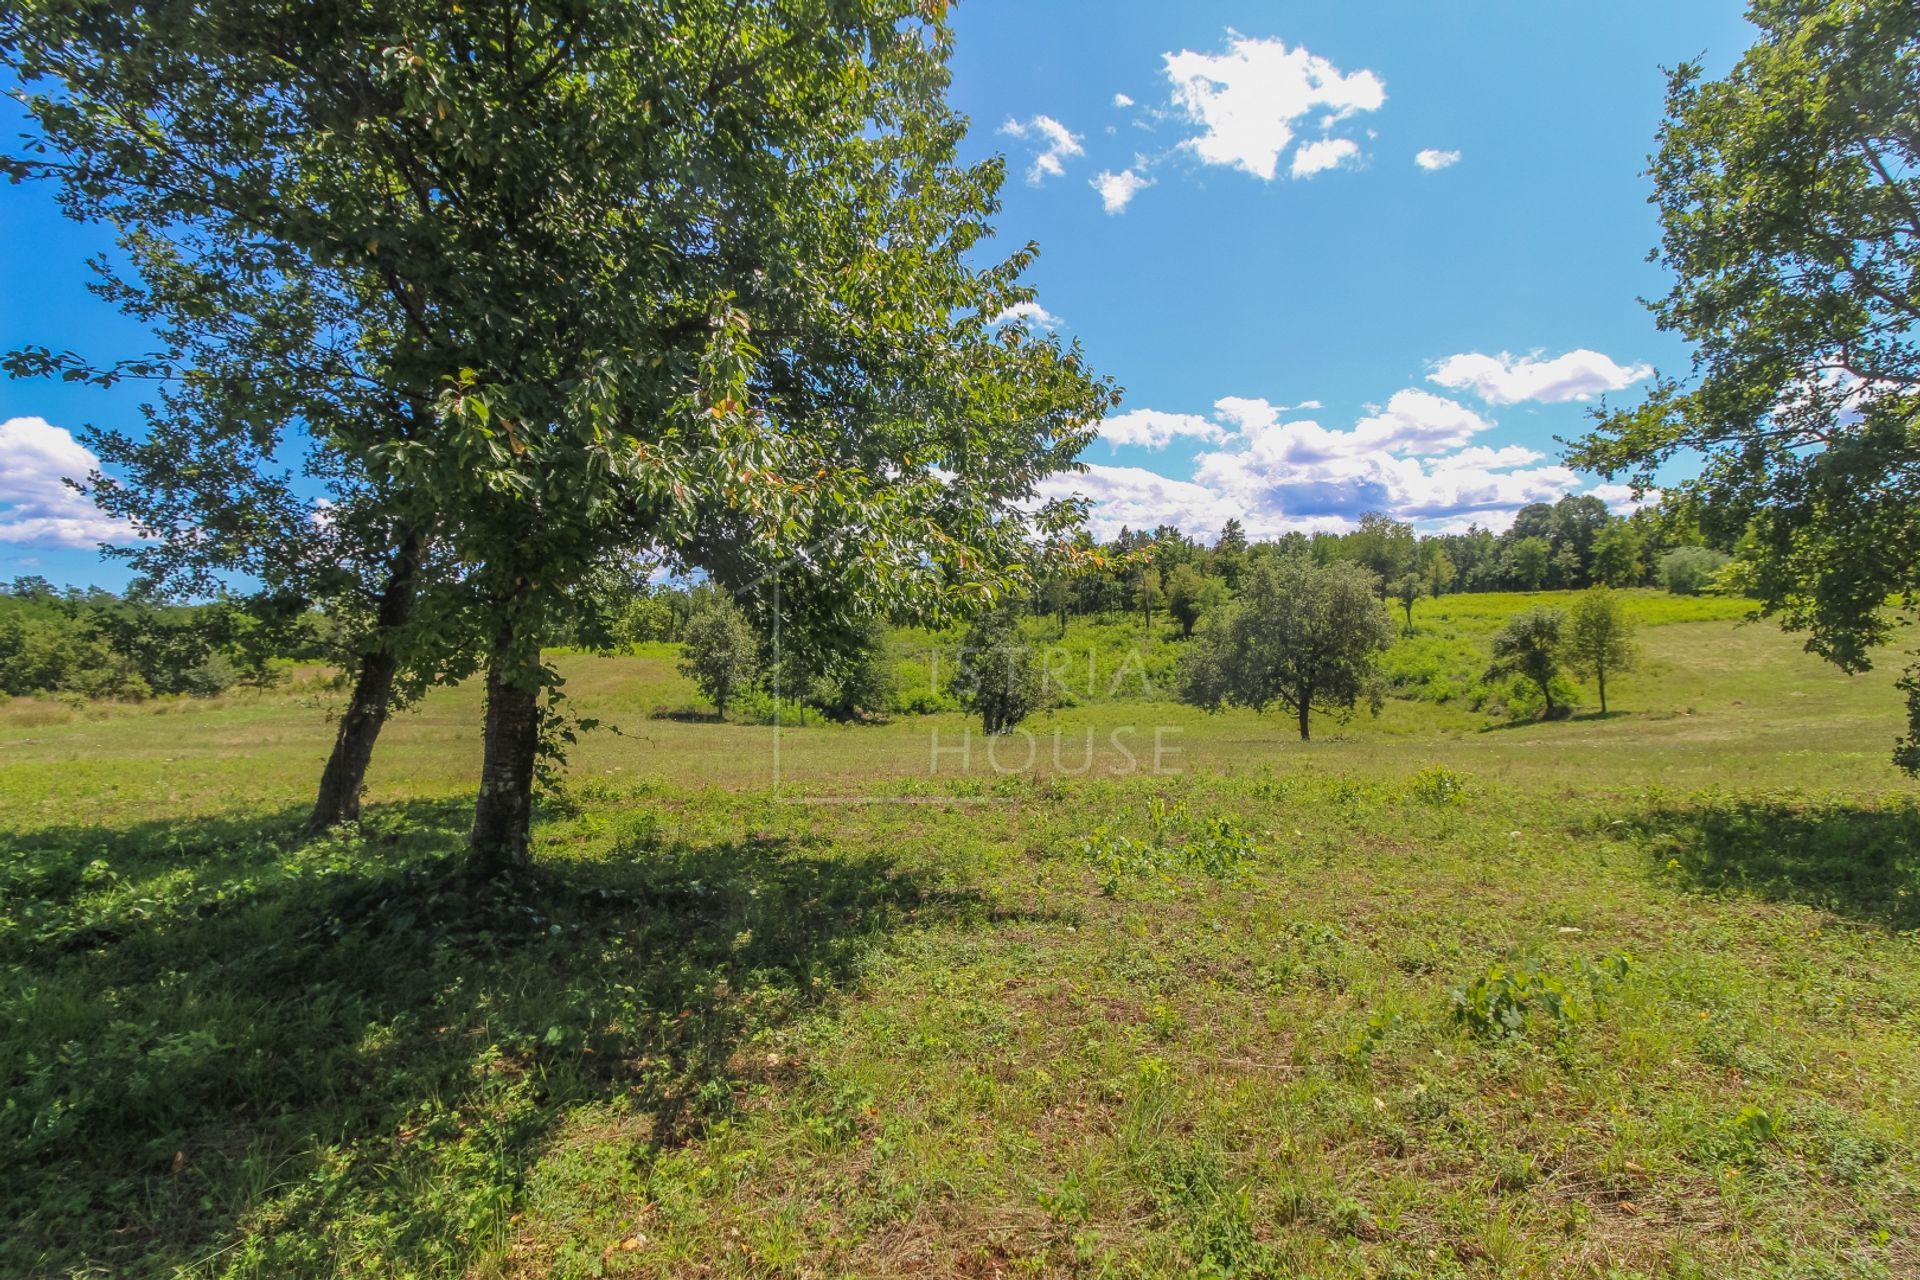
(1301,635)
(1789,197)
(695,276)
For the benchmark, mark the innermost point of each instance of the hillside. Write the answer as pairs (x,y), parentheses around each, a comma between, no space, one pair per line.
(1441,993)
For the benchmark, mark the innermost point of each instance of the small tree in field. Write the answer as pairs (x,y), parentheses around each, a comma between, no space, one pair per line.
(1408,590)
(721,654)
(1191,595)
(1600,639)
(1148,594)
(1302,635)
(1531,645)
(996,677)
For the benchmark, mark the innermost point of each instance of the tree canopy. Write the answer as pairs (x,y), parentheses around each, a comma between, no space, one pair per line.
(1301,635)
(1789,201)
(696,276)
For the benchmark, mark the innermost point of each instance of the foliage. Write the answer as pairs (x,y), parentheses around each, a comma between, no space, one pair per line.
(994,675)
(1599,638)
(1789,200)
(721,653)
(97,645)
(1531,645)
(1304,636)
(1497,1003)
(1688,571)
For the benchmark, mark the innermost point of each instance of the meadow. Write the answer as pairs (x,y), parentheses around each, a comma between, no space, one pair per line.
(1443,992)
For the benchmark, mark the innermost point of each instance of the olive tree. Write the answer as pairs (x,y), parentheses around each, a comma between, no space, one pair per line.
(1301,635)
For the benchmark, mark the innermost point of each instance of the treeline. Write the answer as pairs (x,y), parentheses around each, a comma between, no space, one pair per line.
(95,644)
(1566,545)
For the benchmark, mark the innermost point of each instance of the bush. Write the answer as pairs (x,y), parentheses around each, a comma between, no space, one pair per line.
(1688,571)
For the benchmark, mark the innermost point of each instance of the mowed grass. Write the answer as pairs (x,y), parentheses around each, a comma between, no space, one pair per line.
(876,1002)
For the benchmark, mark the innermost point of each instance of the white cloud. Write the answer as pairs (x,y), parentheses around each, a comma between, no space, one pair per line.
(1328,153)
(1434,158)
(1248,100)
(1122,100)
(1118,189)
(1416,458)
(1153,429)
(1031,313)
(36,506)
(1133,497)
(1620,498)
(1508,379)
(1056,144)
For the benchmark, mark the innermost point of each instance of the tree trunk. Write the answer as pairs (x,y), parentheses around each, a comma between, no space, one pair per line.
(1600,673)
(503,815)
(345,776)
(1546,691)
(1306,710)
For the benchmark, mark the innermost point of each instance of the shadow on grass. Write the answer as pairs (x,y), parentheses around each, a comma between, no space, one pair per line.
(229,1051)
(1857,860)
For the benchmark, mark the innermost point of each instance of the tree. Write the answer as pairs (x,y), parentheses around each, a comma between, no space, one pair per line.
(721,299)
(995,676)
(1302,636)
(1789,201)
(1056,597)
(1407,590)
(721,653)
(1619,555)
(1437,569)
(1599,639)
(858,679)
(1147,593)
(1383,545)
(1190,595)
(1230,552)
(1527,561)
(1530,645)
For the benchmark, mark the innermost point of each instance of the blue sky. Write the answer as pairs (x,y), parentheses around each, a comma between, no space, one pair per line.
(1236,220)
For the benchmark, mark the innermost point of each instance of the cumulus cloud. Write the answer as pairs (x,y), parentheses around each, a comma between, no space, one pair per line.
(1118,189)
(1621,500)
(1153,429)
(1030,313)
(1328,153)
(1054,145)
(1122,100)
(1509,379)
(1133,497)
(1418,457)
(1433,158)
(1249,100)
(36,505)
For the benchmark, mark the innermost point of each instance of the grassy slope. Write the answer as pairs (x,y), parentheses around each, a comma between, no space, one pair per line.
(1033,1023)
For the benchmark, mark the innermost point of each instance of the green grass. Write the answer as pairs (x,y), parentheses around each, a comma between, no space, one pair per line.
(899,1017)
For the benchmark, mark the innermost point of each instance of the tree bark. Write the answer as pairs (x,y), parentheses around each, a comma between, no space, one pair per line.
(503,814)
(1306,711)
(1600,672)
(345,776)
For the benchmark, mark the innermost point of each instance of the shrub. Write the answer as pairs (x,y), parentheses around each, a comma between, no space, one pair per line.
(1498,1002)
(1687,571)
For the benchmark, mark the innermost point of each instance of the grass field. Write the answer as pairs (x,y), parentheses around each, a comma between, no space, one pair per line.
(1436,994)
